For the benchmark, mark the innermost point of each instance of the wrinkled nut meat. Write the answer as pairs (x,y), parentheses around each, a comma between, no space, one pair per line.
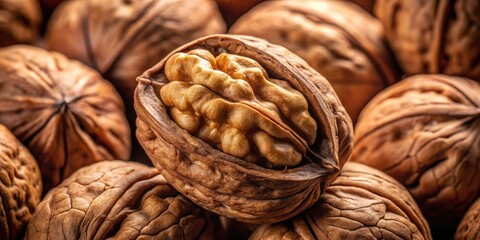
(424,132)
(119,200)
(121,39)
(20,186)
(242,127)
(433,36)
(229,101)
(65,113)
(19,21)
(469,227)
(361,203)
(338,39)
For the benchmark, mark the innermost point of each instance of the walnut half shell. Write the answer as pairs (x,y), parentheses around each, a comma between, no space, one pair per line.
(242,127)
(361,203)
(119,200)
(20,186)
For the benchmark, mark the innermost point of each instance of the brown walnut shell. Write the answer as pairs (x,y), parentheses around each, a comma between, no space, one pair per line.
(64,112)
(20,186)
(19,21)
(433,36)
(119,200)
(469,227)
(361,203)
(231,186)
(424,132)
(121,39)
(338,39)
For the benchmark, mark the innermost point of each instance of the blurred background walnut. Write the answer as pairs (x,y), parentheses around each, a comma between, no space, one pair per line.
(424,131)
(64,112)
(19,21)
(123,38)
(433,36)
(20,186)
(242,127)
(119,200)
(361,203)
(469,227)
(338,39)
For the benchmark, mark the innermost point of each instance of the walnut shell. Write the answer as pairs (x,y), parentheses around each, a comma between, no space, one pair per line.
(20,186)
(64,112)
(338,39)
(424,132)
(19,21)
(469,227)
(361,203)
(121,39)
(433,36)
(221,182)
(119,200)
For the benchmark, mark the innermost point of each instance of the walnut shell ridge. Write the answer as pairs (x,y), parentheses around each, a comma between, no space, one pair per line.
(337,38)
(119,200)
(361,203)
(433,36)
(20,186)
(469,227)
(424,131)
(230,186)
(19,21)
(64,112)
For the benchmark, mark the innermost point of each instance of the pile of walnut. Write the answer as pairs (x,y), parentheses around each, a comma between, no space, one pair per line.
(312,119)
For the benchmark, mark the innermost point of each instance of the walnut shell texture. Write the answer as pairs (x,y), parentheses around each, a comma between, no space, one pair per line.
(433,36)
(19,21)
(469,227)
(424,132)
(121,39)
(64,112)
(361,203)
(20,186)
(228,185)
(338,39)
(119,200)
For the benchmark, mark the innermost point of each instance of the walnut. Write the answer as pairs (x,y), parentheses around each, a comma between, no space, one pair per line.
(20,186)
(424,131)
(338,39)
(19,21)
(469,227)
(242,127)
(119,200)
(65,113)
(361,203)
(433,36)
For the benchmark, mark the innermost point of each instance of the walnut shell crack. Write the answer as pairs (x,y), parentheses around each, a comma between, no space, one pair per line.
(338,39)
(226,184)
(424,131)
(64,112)
(19,21)
(361,203)
(119,200)
(20,186)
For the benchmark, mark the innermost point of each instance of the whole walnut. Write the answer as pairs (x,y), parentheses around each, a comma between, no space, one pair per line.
(242,127)
(64,112)
(433,36)
(123,38)
(119,200)
(361,203)
(469,227)
(20,186)
(19,21)
(424,132)
(338,39)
